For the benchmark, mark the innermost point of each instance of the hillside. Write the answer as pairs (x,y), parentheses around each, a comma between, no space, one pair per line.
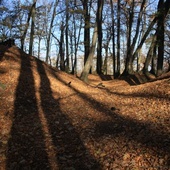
(52,120)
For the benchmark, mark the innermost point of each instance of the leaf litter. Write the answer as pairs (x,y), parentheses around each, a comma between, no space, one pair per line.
(46,122)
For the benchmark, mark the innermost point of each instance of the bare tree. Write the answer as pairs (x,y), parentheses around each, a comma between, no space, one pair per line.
(50,30)
(113,38)
(88,64)
(32,27)
(118,38)
(66,34)
(27,25)
(100,34)
(86,29)
(131,43)
(160,36)
(166,7)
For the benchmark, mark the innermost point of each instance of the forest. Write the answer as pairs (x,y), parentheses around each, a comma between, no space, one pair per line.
(89,36)
(85,84)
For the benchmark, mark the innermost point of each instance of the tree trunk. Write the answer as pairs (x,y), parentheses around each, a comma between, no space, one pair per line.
(76,43)
(149,55)
(87,67)
(50,29)
(86,30)
(160,37)
(166,7)
(130,47)
(66,36)
(113,39)
(118,38)
(62,48)
(32,28)
(99,32)
(71,51)
(104,70)
(26,27)
(39,46)
(153,65)
(129,63)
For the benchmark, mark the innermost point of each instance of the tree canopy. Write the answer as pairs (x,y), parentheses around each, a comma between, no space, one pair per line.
(131,36)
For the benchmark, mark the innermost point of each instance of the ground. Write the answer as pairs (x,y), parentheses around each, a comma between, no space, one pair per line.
(52,120)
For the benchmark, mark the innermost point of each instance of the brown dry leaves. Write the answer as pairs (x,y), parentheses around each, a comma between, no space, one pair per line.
(79,126)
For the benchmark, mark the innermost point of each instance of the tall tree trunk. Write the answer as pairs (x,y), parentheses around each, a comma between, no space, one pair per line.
(154,65)
(113,38)
(27,25)
(129,64)
(99,32)
(76,43)
(50,30)
(149,55)
(130,47)
(86,30)
(32,28)
(160,37)
(62,47)
(39,46)
(71,51)
(143,29)
(106,47)
(66,36)
(105,62)
(87,67)
(118,38)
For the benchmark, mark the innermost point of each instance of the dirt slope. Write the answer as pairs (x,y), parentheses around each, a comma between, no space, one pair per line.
(48,123)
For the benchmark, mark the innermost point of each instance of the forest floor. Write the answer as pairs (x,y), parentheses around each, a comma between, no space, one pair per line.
(52,120)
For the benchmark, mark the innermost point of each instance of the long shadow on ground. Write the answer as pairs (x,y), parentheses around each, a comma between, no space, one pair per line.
(70,151)
(145,134)
(149,95)
(134,132)
(26,148)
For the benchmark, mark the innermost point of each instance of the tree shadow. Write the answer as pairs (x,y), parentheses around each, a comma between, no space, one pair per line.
(148,95)
(70,150)
(3,49)
(26,147)
(158,141)
(146,134)
(131,80)
(106,77)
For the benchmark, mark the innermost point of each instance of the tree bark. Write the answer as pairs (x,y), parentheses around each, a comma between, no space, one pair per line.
(166,7)
(76,43)
(66,37)
(113,39)
(149,55)
(62,48)
(86,30)
(99,32)
(160,37)
(87,67)
(50,30)
(26,27)
(32,28)
(118,38)
(128,63)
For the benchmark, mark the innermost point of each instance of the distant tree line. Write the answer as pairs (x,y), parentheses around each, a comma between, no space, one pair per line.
(124,36)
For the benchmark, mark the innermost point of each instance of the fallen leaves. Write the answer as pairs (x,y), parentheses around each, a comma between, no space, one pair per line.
(115,127)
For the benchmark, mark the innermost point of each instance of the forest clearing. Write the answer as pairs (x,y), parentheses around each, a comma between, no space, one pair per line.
(52,120)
